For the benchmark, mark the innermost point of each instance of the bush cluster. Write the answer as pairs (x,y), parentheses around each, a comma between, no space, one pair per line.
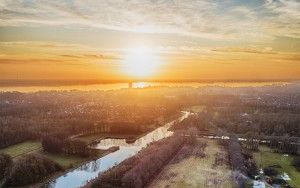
(30,169)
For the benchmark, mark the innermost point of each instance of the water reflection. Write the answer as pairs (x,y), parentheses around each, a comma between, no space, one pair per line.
(141,142)
(90,170)
(93,166)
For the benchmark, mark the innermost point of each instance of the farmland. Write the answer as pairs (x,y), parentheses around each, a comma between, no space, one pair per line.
(206,172)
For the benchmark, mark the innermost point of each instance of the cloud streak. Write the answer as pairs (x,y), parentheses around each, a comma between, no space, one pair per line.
(207,19)
(25,52)
(266,50)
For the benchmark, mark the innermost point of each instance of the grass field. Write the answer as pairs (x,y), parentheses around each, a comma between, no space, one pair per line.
(267,158)
(22,148)
(198,108)
(66,161)
(196,172)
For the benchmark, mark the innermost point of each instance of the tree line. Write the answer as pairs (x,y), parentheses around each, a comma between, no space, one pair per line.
(138,170)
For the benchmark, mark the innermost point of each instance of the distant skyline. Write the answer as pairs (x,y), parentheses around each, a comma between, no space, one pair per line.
(149,39)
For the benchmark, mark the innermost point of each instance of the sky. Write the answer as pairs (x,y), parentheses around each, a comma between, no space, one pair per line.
(149,39)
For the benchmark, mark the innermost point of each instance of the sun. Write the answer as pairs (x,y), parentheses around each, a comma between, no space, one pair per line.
(141,62)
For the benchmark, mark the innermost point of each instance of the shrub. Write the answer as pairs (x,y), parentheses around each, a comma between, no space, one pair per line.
(279,181)
(52,144)
(236,156)
(30,169)
(250,165)
(5,163)
(296,163)
(270,171)
(237,161)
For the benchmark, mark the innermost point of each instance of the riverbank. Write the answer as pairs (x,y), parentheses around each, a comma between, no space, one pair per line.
(151,159)
(61,173)
(130,138)
(91,169)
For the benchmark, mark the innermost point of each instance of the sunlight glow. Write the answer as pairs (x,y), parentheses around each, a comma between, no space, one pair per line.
(141,62)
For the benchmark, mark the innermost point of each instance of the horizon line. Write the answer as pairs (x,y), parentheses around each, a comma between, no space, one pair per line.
(68,82)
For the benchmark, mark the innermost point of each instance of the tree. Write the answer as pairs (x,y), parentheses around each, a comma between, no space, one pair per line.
(52,144)
(30,169)
(5,164)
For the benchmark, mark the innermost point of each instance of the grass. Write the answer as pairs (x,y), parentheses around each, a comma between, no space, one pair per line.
(66,161)
(91,138)
(196,172)
(266,158)
(70,161)
(35,147)
(198,108)
(22,148)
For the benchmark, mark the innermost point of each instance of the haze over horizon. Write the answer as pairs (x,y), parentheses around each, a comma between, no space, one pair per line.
(149,93)
(149,40)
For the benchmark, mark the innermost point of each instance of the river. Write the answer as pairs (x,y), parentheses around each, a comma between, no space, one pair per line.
(79,176)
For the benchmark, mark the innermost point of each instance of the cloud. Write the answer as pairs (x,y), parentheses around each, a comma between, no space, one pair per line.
(91,56)
(290,57)
(27,60)
(44,44)
(266,50)
(266,53)
(71,56)
(37,52)
(100,56)
(198,18)
(283,17)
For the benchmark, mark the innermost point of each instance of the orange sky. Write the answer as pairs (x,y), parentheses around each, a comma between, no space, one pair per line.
(238,40)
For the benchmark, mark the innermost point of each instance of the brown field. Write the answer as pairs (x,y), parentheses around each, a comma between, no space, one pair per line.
(197,172)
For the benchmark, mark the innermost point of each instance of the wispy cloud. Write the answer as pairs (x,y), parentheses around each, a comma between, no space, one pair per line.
(266,50)
(200,18)
(266,53)
(283,17)
(91,56)
(11,60)
(23,52)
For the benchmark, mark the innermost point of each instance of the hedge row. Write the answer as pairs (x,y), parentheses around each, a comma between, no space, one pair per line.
(138,170)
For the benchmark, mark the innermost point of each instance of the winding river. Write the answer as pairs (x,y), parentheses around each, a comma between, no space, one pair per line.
(79,176)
